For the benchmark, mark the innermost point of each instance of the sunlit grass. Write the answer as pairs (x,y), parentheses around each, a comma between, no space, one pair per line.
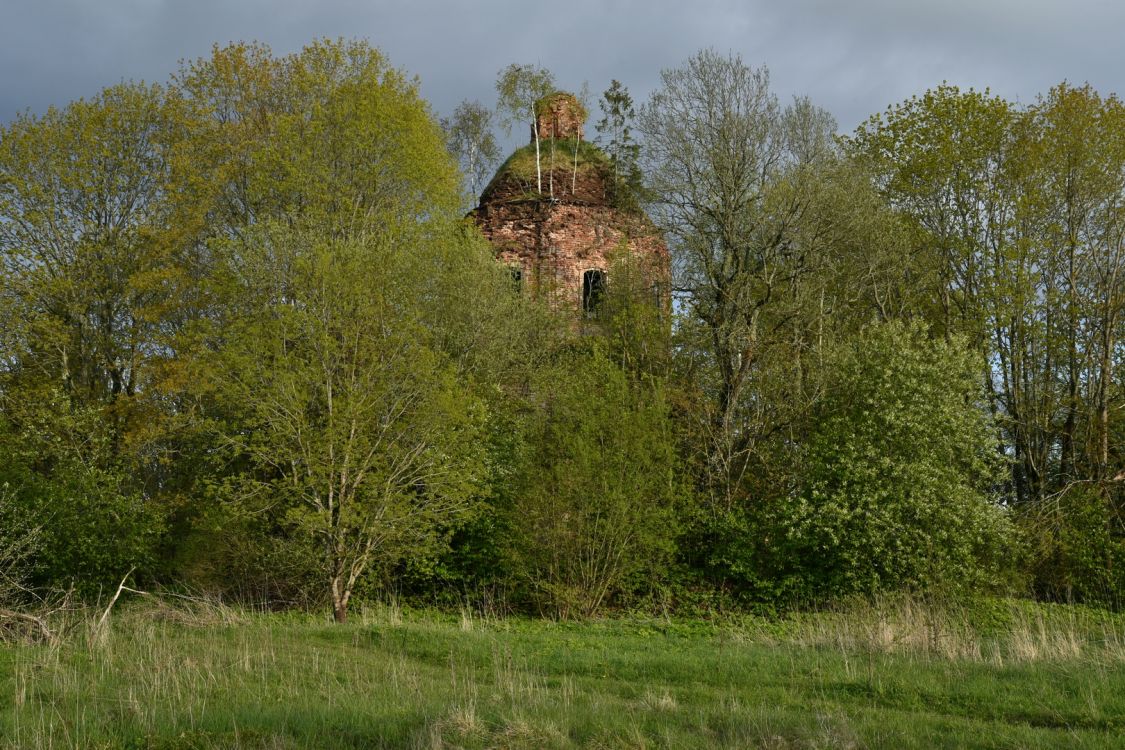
(900,674)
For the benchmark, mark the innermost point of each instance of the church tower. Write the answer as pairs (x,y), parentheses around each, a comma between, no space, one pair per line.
(562,241)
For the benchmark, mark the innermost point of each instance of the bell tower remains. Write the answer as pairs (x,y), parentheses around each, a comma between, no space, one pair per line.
(561,242)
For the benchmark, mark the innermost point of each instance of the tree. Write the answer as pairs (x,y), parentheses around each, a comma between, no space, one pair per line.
(940,158)
(958,167)
(898,476)
(19,540)
(348,416)
(616,136)
(594,507)
(1076,545)
(332,137)
(732,177)
(101,210)
(469,135)
(518,88)
(341,382)
(1081,183)
(1016,214)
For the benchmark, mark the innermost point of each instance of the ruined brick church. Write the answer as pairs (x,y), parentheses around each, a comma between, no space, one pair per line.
(564,226)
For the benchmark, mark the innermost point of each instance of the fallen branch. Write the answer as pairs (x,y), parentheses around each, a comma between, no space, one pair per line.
(120,588)
(38,622)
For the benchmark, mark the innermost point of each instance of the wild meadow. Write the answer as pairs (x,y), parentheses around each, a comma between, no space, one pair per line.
(898,674)
(255,346)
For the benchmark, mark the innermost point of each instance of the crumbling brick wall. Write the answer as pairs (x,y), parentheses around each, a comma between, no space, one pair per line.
(559,115)
(552,243)
(574,225)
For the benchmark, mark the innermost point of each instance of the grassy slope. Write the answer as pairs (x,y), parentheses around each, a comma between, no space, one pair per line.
(162,680)
(521,163)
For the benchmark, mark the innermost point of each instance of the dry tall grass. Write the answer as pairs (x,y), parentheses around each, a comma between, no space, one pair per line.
(1005,631)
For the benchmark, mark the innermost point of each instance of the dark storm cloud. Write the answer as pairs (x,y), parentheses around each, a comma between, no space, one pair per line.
(852,58)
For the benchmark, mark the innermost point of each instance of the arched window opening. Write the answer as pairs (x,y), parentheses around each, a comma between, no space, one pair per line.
(661,293)
(593,292)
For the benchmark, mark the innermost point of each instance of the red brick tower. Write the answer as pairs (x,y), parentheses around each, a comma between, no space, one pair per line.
(561,242)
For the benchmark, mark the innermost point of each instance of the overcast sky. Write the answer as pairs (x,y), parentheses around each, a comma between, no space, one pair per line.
(852,57)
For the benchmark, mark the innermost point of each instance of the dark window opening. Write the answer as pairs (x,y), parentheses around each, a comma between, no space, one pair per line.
(593,292)
(517,277)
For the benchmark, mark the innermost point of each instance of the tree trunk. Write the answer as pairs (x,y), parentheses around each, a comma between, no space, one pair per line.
(538,164)
(340,596)
(1104,375)
(574,173)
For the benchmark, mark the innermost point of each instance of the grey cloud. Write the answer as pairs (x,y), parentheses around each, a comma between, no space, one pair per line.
(853,58)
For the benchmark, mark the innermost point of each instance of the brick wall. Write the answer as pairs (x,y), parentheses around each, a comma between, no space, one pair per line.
(554,242)
(560,116)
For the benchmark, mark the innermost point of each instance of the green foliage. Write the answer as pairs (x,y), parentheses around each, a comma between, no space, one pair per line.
(19,541)
(637,319)
(90,526)
(235,551)
(616,135)
(899,473)
(348,328)
(471,141)
(593,516)
(734,180)
(1076,545)
(519,88)
(328,137)
(246,340)
(349,417)
(99,210)
(1016,235)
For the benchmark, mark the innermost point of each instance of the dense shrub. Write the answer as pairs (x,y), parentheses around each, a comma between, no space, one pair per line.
(91,525)
(593,515)
(899,469)
(1076,547)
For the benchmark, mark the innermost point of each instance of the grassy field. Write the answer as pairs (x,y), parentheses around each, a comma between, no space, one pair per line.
(896,676)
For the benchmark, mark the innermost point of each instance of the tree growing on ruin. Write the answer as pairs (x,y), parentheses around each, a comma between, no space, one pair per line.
(518,88)
(616,135)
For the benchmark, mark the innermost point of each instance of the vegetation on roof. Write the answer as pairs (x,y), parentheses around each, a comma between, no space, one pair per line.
(547,103)
(558,156)
(554,153)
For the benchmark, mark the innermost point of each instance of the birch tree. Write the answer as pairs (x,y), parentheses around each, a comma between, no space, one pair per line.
(348,416)
(471,141)
(518,88)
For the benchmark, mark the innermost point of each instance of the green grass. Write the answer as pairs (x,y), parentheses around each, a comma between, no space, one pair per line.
(521,164)
(897,676)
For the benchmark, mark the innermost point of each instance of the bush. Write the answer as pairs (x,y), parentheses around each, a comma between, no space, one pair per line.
(1074,552)
(91,526)
(19,539)
(248,557)
(593,515)
(899,469)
